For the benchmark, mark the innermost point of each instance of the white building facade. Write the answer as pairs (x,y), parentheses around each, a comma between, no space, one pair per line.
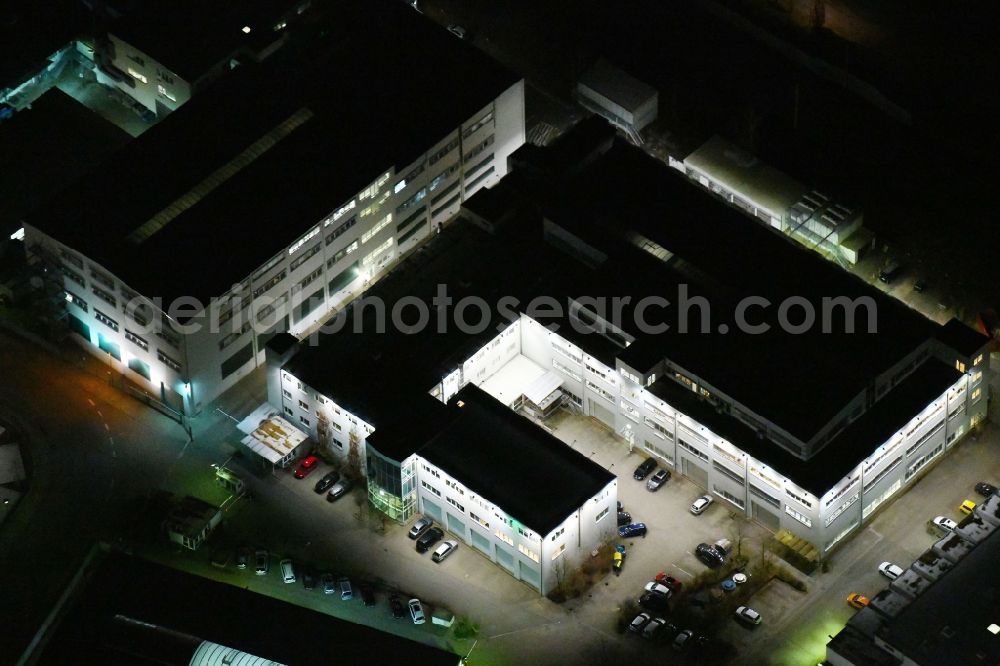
(300,286)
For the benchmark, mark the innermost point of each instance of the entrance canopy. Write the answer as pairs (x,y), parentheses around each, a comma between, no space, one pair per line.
(270,436)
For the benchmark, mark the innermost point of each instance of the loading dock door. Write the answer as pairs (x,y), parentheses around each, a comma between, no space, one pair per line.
(696,473)
(599,411)
(432,509)
(765,517)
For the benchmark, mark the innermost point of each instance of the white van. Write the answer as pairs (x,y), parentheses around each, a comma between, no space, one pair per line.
(287,571)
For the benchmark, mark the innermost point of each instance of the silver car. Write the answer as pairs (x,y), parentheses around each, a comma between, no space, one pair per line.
(890,570)
(444,550)
(416,611)
(700,504)
(420,527)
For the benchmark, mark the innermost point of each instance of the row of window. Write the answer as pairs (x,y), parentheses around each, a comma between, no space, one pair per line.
(688,447)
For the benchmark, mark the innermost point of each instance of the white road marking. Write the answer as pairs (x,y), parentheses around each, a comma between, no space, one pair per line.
(100,414)
(684,570)
(107,427)
(92,403)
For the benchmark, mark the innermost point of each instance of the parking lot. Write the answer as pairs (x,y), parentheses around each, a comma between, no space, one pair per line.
(515,623)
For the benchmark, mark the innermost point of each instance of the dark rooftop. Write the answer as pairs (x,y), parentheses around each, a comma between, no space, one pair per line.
(855,443)
(32,30)
(389,369)
(947,624)
(189,609)
(627,191)
(346,142)
(53,143)
(190,36)
(961,338)
(530,474)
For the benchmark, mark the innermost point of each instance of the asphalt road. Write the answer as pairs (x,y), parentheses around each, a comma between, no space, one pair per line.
(95,456)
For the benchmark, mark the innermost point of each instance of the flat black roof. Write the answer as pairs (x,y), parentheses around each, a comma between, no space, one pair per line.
(191,36)
(725,256)
(855,443)
(54,142)
(370,110)
(947,623)
(530,474)
(32,30)
(389,369)
(190,609)
(961,338)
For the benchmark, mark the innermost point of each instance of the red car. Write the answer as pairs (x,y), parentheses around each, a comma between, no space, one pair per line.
(308,465)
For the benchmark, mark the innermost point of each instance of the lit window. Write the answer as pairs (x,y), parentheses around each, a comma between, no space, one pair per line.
(246,30)
(136,75)
(959,366)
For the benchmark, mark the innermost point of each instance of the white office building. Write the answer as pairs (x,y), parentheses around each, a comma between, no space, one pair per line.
(807,431)
(269,201)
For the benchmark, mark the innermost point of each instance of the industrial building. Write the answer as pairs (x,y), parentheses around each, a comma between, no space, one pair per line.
(160,54)
(113,616)
(777,200)
(805,430)
(266,202)
(618,97)
(944,609)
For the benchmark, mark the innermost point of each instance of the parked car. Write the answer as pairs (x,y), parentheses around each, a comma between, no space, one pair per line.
(657,480)
(946,524)
(444,550)
(306,466)
(458,31)
(700,504)
(670,582)
(856,600)
(261,563)
(968,506)
(890,272)
(644,469)
(416,611)
(748,615)
(709,555)
(890,570)
(419,527)
(308,578)
(660,588)
(339,489)
(624,518)
(367,594)
(639,622)
(346,591)
(326,481)
(683,640)
(655,601)
(220,558)
(986,489)
(329,585)
(724,546)
(397,607)
(429,538)
(242,557)
(632,530)
(653,628)
(287,569)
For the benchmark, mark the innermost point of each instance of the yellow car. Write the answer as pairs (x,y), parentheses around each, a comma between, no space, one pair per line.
(967,506)
(856,600)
